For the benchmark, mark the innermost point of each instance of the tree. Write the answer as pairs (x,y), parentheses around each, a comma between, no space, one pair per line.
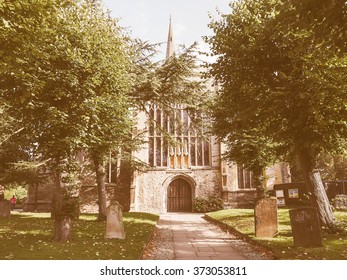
(109,123)
(53,83)
(175,80)
(247,144)
(252,152)
(282,73)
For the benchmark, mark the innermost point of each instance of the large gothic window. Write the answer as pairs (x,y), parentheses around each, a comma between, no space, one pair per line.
(245,178)
(183,149)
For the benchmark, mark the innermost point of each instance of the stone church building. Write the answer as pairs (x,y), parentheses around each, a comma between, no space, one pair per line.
(176,175)
(190,169)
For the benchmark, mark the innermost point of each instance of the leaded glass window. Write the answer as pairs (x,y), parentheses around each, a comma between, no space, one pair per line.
(184,149)
(245,178)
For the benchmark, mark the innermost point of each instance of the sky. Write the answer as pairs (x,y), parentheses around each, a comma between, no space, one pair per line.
(149,19)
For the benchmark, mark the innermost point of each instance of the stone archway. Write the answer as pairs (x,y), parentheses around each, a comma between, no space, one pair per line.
(179,196)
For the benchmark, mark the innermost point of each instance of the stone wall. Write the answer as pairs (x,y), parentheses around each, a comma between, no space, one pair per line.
(88,198)
(39,198)
(234,197)
(239,199)
(151,187)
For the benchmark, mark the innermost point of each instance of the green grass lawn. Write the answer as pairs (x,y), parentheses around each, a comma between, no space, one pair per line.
(27,236)
(242,220)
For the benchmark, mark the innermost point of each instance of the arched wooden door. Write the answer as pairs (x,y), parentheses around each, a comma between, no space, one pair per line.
(179,196)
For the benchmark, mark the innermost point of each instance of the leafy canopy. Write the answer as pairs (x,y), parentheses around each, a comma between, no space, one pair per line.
(281,66)
(64,73)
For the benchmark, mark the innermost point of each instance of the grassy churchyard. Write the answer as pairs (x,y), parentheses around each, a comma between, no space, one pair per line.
(27,236)
(242,220)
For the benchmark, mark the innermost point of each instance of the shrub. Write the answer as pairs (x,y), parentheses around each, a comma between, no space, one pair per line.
(207,204)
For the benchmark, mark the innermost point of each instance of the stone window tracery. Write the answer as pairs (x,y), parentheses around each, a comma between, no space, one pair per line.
(183,149)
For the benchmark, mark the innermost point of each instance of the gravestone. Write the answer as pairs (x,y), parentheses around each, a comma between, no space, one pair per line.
(340,202)
(114,223)
(5,209)
(265,217)
(306,227)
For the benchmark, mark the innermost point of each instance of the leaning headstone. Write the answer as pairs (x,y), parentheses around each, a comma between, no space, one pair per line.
(306,228)
(340,202)
(5,209)
(265,217)
(114,223)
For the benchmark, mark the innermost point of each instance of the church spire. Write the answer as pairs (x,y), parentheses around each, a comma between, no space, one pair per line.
(170,48)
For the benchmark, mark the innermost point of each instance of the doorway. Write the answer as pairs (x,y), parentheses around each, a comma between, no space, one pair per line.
(179,196)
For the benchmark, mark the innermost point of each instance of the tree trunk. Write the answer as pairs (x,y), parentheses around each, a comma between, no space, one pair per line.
(101,183)
(62,229)
(325,210)
(36,192)
(62,223)
(314,185)
(117,168)
(259,183)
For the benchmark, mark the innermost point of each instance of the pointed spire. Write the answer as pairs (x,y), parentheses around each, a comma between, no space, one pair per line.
(170,48)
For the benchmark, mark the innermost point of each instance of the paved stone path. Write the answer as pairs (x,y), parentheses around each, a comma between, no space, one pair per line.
(187,236)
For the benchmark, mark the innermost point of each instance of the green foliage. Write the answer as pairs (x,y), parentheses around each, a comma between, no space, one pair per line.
(76,72)
(280,89)
(8,125)
(70,207)
(71,80)
(28,236)
(208,204)
(25,172)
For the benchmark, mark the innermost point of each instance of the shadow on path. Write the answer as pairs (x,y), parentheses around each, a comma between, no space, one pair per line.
(188,236)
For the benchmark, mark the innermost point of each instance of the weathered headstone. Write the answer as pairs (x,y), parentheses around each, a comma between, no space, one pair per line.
(114,223)
(306,228)
(340,202)
(5,209)
(265,216)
